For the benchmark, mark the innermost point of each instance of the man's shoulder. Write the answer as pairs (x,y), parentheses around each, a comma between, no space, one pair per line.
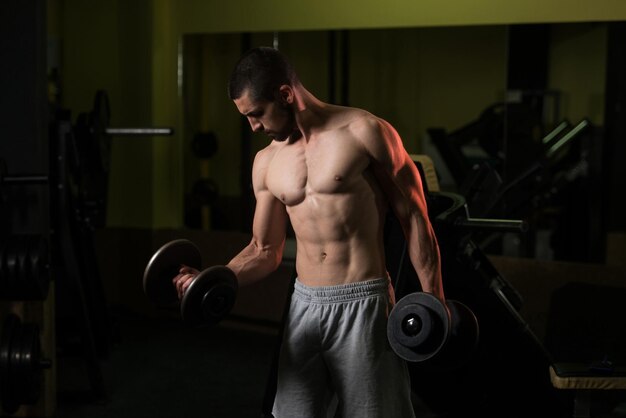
(355,120)
(364,125)
(370,131)
(265,154)
(260,166)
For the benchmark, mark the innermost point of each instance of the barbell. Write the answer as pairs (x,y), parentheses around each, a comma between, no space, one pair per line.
(210,296)
(91,151)
(422,329)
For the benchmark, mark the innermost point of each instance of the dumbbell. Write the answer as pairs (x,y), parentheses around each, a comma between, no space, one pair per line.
(422,329)
(210,296)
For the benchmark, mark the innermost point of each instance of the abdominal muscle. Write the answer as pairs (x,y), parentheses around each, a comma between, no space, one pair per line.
(339,239)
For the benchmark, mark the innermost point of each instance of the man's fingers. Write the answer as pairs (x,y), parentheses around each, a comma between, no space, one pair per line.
(182,282)
(185,286)
(179,284)
(183,279)
(185,269)
(176,278)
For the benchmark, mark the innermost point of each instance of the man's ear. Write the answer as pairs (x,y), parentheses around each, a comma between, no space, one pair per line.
(286,94)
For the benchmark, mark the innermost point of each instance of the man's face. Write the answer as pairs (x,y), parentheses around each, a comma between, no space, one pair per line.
(274,119)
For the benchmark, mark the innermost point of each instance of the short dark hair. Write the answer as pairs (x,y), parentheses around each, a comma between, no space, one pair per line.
(261,71)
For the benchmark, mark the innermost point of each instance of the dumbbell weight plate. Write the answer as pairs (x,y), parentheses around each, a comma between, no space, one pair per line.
(463,339)
(3,273)
(39,281)
(164,266)
(23,270)
(21,364)
(17,374)
(210,296)
(11,267)
(26,369)
(8,339)
(425,337)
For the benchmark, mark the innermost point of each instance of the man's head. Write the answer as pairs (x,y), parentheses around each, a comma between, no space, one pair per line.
(261,71)
(261,85)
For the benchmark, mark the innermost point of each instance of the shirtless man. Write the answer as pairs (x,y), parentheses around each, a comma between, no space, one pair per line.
(333,172)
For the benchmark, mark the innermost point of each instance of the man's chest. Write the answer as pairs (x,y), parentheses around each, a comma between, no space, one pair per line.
(326,166)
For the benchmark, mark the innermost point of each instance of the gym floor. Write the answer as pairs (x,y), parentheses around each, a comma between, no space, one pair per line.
(161,368)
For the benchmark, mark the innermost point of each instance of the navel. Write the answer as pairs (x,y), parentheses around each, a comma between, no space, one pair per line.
(323,256)
(338,178)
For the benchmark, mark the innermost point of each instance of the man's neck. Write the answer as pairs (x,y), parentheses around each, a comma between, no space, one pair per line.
(310,113)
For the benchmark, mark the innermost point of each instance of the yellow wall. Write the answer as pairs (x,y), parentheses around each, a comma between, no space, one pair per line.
(106,45)
(202,16)
(207,108)
(577,68)
(429,77)
(165,47)
(416,78)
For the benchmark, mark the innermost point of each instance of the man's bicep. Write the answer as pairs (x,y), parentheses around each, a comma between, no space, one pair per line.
(395,169)
(270,216)
(270,220)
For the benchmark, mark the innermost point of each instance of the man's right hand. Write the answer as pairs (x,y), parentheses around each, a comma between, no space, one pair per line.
(183,279)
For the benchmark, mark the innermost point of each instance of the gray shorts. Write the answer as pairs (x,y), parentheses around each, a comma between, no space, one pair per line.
(335,355)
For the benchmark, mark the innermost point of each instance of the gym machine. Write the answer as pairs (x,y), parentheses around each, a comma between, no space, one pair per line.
(77,182)
(511,172)
(82,163)
(507,364)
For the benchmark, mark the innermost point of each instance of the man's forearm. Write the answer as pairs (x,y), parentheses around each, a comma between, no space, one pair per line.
(425,257)
(255,262)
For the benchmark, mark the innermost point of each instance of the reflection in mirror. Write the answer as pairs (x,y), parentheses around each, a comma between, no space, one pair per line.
(508,114)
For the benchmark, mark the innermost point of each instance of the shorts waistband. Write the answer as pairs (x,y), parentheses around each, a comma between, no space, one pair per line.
(342,292)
